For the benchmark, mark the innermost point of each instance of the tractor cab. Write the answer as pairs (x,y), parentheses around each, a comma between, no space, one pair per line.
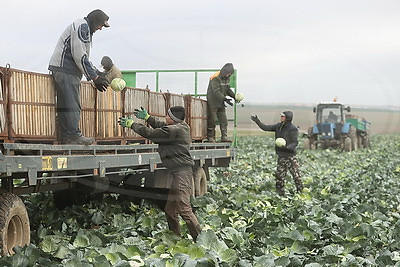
(330,120)
(330,113)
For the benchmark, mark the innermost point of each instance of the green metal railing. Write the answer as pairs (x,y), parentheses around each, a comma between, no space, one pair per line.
(131,76)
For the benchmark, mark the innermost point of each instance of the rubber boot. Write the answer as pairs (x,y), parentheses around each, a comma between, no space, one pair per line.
(224,136)
(211,135)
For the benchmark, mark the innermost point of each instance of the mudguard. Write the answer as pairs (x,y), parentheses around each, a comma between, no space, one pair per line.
(346,128)
(315,129)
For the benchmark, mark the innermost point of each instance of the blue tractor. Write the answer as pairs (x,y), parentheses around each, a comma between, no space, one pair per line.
(335,129)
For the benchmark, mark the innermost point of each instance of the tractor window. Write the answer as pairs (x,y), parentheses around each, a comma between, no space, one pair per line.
(331,115)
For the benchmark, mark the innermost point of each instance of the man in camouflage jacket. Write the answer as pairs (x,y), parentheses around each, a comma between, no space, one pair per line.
(287,159)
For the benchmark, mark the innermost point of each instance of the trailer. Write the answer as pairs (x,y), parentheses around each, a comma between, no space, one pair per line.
(121,162)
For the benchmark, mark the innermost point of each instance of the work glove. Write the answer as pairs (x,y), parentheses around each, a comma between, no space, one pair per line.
(255,118)
(101,83)
(141,114)
(125,121)
(228,101)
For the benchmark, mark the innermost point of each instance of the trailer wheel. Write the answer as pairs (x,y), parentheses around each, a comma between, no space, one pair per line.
(360,142)
(353,137)
(200,181)
(366,142)
(347,144)
(14,223)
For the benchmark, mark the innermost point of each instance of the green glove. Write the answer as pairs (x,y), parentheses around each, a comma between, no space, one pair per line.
(141,114)
(125,121)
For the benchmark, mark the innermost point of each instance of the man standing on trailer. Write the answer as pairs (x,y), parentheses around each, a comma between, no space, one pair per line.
(173,139)
(287,159)
(69,61)
(218,88)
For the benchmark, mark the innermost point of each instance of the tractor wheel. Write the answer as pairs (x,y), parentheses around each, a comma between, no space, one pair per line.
(14,223)
(353,137)
(200,181)
(307,143)
(347,144)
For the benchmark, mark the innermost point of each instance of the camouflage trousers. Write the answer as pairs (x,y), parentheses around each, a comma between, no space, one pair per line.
(284,164)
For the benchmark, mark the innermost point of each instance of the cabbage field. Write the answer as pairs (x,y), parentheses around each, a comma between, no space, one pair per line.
(348,215)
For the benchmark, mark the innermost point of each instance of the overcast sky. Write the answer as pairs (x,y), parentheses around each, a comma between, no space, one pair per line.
(295,51)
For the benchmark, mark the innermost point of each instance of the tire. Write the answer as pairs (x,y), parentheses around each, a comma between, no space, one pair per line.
(347,144)
(366,142)
(307,143)
(360,142)
(14,223)
(200,182)
(353,137)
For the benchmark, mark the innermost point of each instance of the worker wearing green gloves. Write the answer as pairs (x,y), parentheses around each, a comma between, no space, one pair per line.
(173,139)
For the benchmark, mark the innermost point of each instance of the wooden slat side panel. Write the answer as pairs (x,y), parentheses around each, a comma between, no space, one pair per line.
(32,97)
(3,117)
(198,118)
(87,123)
(158,105)
(109,109)
(175,100)
(87,117)
(135,98)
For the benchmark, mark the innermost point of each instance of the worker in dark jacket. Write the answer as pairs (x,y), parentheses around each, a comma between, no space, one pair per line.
(110,70)
(218,89)
(287,159)
(173,139)
(69,61)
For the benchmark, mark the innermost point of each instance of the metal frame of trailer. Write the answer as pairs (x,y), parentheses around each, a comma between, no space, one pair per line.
(43,166)
(74,172)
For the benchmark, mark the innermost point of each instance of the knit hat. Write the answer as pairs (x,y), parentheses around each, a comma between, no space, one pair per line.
(177,113)
(107,62)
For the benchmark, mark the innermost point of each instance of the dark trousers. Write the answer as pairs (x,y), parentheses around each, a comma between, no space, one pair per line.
(68,103)
(212,114)
(178,202)
(284,164)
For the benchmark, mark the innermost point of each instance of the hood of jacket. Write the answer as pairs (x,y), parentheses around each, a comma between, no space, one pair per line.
(226,69)
(288,115)
(97,18)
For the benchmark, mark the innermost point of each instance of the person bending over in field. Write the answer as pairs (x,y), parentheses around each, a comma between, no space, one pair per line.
(286,149)
(173,139)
